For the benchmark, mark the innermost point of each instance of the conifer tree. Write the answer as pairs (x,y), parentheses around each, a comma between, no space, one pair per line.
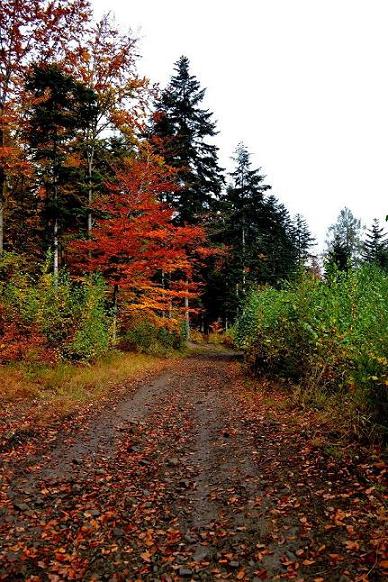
(338,257)
(181,131)
(246,216)
(258,232)
(303,240)
(344,238)
(280,250)
(375,248)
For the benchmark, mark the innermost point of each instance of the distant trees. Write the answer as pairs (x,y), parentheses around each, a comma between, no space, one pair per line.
(344,243)
(375,247)
(347,248)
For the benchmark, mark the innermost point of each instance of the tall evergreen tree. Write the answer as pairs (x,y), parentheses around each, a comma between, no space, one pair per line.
(246,215)
(375,248)
(258,232)
(181,131)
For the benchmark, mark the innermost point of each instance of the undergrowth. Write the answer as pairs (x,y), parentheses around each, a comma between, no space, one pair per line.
(328,338)
(53,319)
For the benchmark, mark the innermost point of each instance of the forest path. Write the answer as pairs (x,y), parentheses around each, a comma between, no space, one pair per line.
(194,475)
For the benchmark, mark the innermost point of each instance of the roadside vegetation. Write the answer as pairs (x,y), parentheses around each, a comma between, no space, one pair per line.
(63,343)
(329,341)
(49,390)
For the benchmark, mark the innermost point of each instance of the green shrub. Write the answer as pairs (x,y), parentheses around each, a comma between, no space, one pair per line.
(50,318)
(147,337)
(329,336)
(92,338)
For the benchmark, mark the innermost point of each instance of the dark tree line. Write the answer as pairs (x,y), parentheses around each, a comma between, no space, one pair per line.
(259,242)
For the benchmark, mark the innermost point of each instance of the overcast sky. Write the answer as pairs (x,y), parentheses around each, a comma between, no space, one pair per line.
(304,83)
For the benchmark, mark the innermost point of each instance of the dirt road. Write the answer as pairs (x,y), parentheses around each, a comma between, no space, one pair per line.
(195,475)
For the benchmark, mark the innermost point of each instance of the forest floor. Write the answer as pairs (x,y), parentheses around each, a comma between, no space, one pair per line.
(191,472)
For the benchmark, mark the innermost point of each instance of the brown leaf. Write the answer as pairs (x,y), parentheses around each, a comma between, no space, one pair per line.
(351,545)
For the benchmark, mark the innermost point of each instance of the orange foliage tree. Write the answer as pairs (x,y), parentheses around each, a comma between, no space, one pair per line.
(136,245)
(105,61)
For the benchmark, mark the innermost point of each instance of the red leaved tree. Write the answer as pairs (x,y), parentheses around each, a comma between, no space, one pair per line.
(136,245)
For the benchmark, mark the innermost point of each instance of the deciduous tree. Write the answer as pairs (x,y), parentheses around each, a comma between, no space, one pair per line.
(105,61)
(30,31)
(135,240)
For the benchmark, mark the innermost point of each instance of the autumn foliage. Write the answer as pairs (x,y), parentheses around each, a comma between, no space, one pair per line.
(135,244)
(75,168)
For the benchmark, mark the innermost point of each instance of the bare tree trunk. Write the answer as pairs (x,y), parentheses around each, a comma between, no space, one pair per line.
(2,198)
(243,257)
(163,287)
(114,305)
(243,233)
(56,250)
(56,220)
(3,189)
(187,313)
(90,190)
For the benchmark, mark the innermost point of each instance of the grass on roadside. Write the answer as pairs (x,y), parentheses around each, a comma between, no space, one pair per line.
(63,387)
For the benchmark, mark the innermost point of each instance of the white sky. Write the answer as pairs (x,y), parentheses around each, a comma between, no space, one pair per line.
(304,83)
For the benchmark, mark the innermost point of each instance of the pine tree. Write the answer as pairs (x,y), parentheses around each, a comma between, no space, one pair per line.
(338,256)
(181,131)
(303,240)
(279,246)
(375,248)
(246,215)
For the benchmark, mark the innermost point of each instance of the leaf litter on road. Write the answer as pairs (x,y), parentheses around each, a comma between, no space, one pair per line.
(197,477)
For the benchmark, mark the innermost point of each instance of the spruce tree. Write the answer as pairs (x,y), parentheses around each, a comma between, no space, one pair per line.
(303,240)
(245,211)
(279,246)
(181,131)
(338,257)
(258,233)
(344,238)
(375,248)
